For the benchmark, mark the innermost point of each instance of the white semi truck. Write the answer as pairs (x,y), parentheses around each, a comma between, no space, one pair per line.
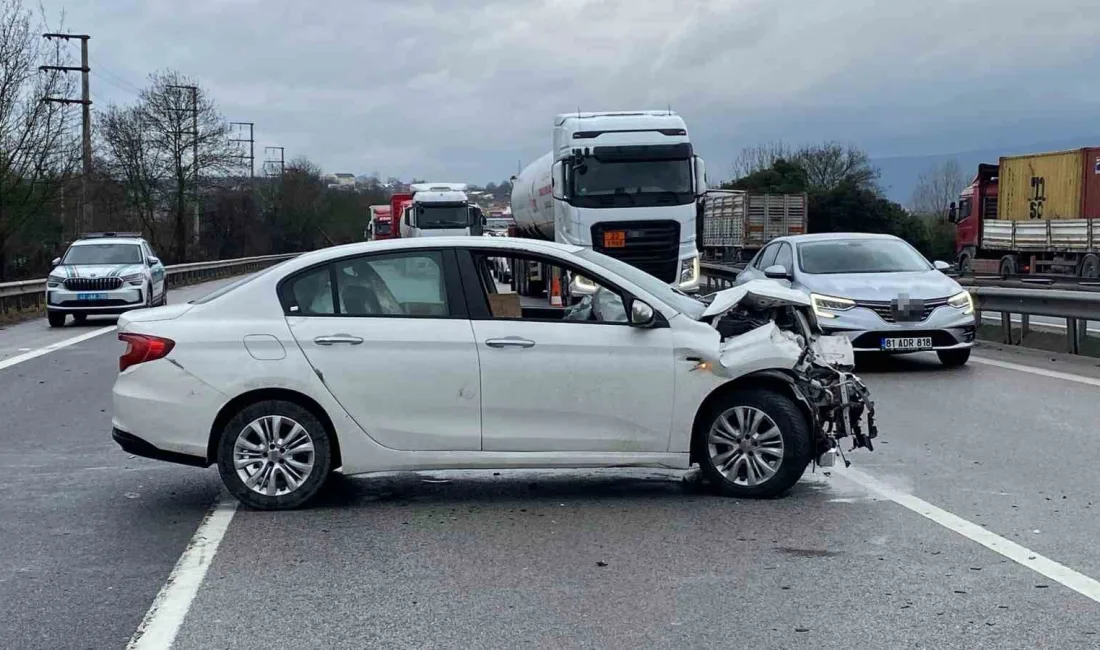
(625,184)
(440,209)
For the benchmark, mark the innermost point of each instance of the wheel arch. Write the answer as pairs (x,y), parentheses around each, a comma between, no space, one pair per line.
(779,381)
(234,406)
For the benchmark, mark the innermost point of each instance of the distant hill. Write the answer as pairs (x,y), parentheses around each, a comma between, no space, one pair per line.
(899,174)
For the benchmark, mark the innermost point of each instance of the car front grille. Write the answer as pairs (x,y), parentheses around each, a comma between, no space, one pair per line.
(887,311)
(92,284)
(652,246)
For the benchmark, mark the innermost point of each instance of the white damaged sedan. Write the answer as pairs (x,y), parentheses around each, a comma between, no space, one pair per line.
(408,354)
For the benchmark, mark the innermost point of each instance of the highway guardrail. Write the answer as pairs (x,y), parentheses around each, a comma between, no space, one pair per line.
(1077,304)
(30,294)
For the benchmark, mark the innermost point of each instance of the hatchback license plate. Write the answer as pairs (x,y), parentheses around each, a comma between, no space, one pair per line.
(91,296)
(907,344)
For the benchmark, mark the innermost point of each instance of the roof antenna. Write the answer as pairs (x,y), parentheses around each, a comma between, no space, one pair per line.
(670,109)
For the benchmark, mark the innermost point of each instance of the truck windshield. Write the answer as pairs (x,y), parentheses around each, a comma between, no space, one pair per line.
(439,216)
(860,256)
(381,227)
(620,183)
(498,224)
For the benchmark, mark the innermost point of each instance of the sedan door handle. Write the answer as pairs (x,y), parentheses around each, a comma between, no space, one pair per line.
(510,342)
(338,338)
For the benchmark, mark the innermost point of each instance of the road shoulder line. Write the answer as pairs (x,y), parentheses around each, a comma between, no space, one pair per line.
(1043,372)
(34,354)
(1063,575)
(165,616)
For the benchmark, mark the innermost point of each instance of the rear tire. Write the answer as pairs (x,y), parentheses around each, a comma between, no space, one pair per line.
(954,358)
(284,451)
(56,318)
(753,444)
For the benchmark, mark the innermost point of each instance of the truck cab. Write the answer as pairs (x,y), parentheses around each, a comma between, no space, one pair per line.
(977,204)
(626,185)
(440,210)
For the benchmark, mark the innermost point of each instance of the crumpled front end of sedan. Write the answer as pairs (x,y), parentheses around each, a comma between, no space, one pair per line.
(770,332)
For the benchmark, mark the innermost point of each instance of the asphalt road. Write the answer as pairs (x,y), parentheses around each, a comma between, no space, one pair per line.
(617,558)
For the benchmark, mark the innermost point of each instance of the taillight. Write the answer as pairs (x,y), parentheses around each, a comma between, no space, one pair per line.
(141,348)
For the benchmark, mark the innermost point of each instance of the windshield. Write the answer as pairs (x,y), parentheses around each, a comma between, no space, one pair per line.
(104,254)
(221,291)
(669,295)
(603,178)
(381,227)
(430,216)
(860,256)
(498,224)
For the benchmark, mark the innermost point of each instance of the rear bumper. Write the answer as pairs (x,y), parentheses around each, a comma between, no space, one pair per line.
(138,447)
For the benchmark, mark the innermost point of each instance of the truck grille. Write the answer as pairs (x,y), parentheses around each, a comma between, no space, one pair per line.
(652,246)
(92,284)
(886,309)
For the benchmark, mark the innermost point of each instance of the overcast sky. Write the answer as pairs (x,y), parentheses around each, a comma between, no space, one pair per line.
(462,90)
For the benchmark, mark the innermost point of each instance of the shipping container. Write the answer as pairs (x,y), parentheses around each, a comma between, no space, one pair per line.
(1044,186)
(1090,201)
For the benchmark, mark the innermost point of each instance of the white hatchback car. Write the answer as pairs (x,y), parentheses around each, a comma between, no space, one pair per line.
(407,355)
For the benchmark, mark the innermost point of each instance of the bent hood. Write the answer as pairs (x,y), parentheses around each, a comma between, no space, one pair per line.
(921,285)
(759,293)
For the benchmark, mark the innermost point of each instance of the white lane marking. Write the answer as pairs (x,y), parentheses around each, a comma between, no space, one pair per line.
(34,354)
(1043,372)
(1057,572)
(163,620)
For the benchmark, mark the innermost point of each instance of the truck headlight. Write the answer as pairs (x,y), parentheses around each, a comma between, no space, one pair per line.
(689,271)
(136,279)
(962,300)
(824,306)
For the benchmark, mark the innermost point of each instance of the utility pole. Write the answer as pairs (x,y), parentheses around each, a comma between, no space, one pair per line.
(194,154)
(281,161)
(86,114)
(251,147)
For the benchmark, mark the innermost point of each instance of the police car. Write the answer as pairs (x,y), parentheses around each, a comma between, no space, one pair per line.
(104,273)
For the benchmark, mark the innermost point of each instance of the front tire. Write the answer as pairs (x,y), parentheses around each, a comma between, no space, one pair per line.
(274,455)
(56,318)
(954,358)
(753,444)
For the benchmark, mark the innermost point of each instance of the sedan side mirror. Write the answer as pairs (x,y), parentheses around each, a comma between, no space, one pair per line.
(56,261)
(641,314)
(153,261)
(777,272)
(941,266)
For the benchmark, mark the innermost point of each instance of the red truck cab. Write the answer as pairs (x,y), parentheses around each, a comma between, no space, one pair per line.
(977,203)
(398,202)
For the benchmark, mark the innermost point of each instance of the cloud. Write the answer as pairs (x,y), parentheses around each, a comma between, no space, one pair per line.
(462,89)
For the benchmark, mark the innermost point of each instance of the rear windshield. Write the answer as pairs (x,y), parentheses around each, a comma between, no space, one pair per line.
(860,256)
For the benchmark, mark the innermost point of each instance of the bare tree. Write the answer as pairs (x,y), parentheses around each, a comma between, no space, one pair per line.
(139,169)
(759,157)
(38,145)
(168,126)
(831,164)
(936,188)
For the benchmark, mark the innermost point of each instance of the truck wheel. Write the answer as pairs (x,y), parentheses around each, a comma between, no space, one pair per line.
(56,318)
(1090,267)
(1008,265)
(753,444)
(966,264)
